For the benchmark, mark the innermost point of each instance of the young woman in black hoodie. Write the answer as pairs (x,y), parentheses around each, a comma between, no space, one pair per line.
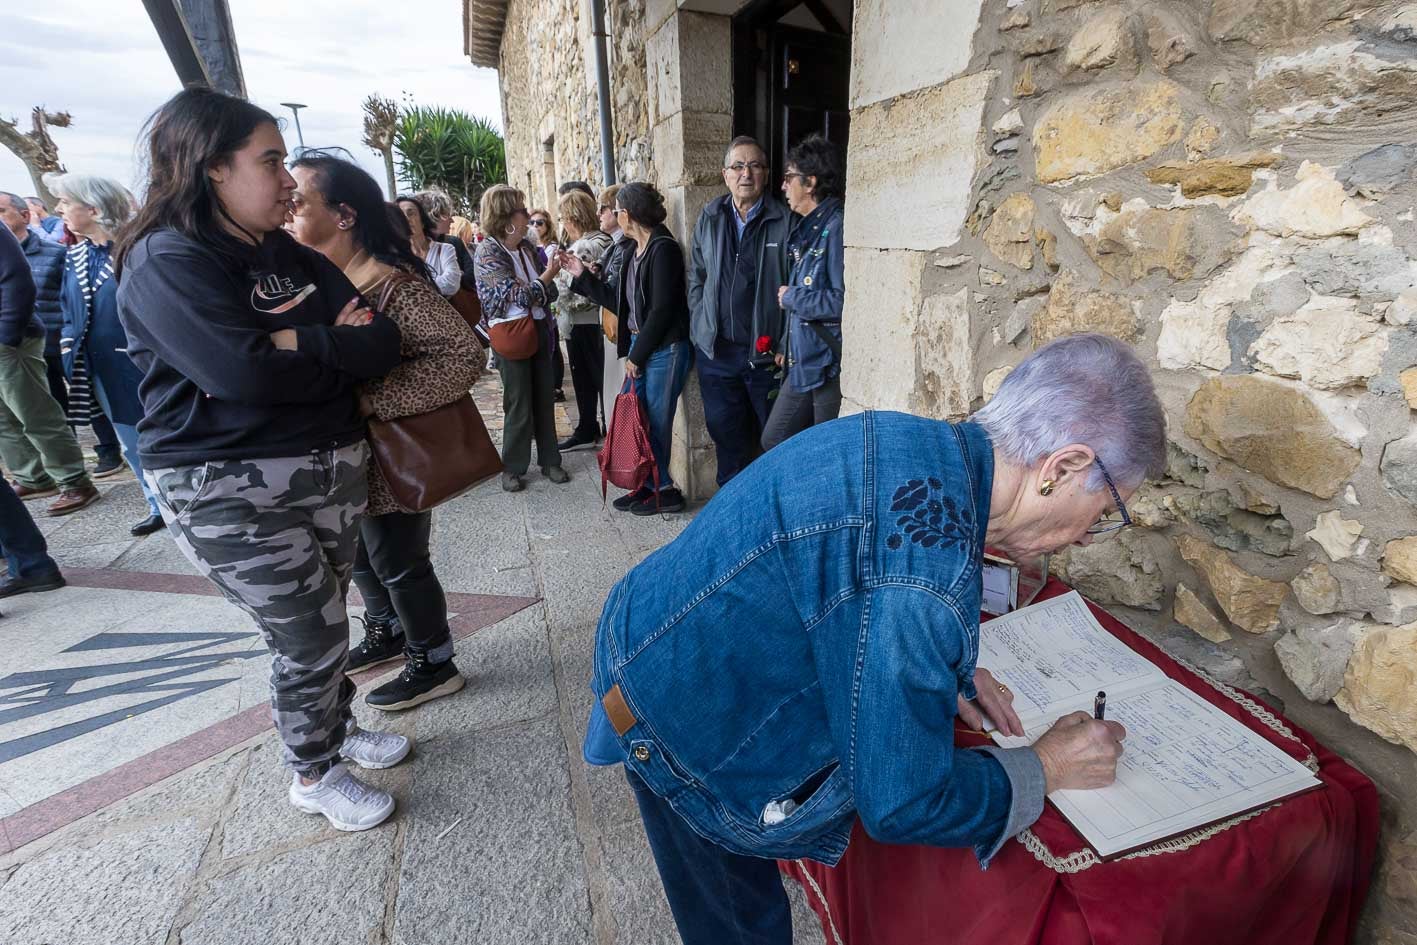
(251,347)
(652,303)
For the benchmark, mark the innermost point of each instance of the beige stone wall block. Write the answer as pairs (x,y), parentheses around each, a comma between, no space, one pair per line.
(1186,243)
(689,147)
(1328,343)
(683,205)
(1250,602)
(1335,534)
(1408,380)
(1097,130)
(994,380)
(944,348)
(1316,589)
(1400,559)
(1009,234)
(1194,335)
(1315,658)
(1169,41)
(899,46)
(1269,22)
(1228,176)
(1272,429)
(917,153)
(1339,84)
(1122,570)
(1073,307)
(1104,39)
(686,60)
(1192,613)
(1380,687)
(1315,207)
(883,298)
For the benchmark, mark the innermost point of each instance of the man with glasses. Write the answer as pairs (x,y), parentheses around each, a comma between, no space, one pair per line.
(739,261)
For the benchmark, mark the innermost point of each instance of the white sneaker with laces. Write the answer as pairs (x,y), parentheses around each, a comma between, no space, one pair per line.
(347,802)
(374,749)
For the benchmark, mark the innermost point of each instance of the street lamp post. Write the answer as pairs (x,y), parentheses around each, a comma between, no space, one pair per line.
(295,110)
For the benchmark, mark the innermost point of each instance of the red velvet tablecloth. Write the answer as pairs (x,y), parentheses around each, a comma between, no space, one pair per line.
(1296,873)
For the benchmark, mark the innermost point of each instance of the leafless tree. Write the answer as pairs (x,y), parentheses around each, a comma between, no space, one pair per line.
(35,148)
(381,118)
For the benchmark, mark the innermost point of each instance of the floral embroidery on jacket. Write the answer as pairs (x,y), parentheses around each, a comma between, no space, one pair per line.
(930,517)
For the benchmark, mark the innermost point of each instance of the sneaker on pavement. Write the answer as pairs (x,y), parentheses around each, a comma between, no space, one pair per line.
(575,442)
(557,474)
(420,682)
(74,498)
(630,498)
(374,749)
(511,482)
(347,802)
(107,467)
(12,585)
(669,500)
(33,492)
(383,641)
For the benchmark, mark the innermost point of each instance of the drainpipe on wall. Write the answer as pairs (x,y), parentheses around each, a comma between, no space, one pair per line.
(602,81)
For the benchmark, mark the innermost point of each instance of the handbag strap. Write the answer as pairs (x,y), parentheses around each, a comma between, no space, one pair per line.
(389,287)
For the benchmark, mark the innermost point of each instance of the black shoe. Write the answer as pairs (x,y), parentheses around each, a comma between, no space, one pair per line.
(574,442)
(420,682)
(383,642)
(630,498)
(107,466)
(12,585)
(558,395)
(669,500)
(153,523)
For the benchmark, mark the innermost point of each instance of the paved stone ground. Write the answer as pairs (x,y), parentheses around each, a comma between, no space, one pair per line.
(503,834)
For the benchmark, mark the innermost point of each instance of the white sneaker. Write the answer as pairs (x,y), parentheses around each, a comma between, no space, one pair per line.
(347,802)
(374,749)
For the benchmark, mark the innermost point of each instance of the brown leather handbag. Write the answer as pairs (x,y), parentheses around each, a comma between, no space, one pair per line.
(468,305)
(431,457)
(609,324)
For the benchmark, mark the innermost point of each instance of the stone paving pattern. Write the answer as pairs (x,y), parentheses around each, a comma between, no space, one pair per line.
(503,834)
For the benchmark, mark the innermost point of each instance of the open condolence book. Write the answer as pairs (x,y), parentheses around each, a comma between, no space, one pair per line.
(1185,764)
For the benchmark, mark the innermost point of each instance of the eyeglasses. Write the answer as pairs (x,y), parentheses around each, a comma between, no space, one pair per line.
(753,167)
(1108,523)
(791,174)
(537,223)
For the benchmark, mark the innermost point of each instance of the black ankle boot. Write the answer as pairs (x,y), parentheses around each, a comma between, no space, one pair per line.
(420,682)
(383,642)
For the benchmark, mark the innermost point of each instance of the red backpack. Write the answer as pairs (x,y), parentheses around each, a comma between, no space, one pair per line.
(626,458)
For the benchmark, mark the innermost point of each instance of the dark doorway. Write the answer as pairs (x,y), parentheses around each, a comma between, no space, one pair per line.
(792,74)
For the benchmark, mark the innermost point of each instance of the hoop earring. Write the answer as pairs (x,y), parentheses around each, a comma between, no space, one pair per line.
(1047,487)
(510,230)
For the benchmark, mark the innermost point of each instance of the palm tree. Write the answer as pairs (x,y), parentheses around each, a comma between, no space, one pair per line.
(451,151)
(381,118)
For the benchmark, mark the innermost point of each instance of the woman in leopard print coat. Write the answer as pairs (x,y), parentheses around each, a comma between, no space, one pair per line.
(339,210)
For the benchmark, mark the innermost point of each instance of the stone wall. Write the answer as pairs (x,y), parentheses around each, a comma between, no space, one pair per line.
(548,84)
(1228,185)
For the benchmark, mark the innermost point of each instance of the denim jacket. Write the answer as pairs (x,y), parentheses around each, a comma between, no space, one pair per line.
(815,293)
(805,638)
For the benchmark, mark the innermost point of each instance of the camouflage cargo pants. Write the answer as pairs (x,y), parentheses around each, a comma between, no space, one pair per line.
(278,538)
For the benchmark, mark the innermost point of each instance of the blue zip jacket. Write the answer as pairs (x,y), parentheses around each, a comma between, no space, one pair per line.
(17,318)
(816,293)
(46,259)
(805,639)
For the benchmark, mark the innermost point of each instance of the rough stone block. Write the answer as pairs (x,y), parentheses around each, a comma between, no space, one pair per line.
(1335,534)
(920,152)
(894,50)
(1223,176)
(1009,234)
(1168,38)
(1250,602)
(1073,307)
(1365,87)
(1314,658)
(883,298)
(1274,430)
(1097,130)
(1399,466)
(1186,243)
(1104,39)
(689,147)
(1380,688)
(1191,612)
(1379,171)
(687,63)
(948,384)
(1328,344)
(1315,207)
(1316,589)
(1123,570)
(1400,559)
(1270,22)
(1194,335)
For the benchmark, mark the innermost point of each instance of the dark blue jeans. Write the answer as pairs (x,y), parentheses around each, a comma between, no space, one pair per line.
(736,405)
(23,545)
(660,384)
(717,897)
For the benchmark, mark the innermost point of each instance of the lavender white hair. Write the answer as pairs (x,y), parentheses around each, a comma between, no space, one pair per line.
(110,200)
(1089,389)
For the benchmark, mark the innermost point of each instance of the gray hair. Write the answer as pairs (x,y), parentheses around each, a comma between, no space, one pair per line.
(109,199)
(1089,389)
(743,141)
(16,201)
(435,202)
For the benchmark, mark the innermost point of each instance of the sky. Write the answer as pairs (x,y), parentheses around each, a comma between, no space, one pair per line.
(102,62)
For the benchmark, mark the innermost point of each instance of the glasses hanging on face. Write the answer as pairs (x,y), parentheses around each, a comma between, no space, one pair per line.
(1111,521)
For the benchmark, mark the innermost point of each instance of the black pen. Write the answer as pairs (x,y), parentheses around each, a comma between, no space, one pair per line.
(1099,706)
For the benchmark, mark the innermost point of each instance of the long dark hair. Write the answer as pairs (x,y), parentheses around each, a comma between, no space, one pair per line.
(430,229)
(344,183)
(195,130)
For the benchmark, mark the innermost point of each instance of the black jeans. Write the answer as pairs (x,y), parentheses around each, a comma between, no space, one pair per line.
(795,411)
(587,356)
(395,577)
(558,360)
(107,448)
(717,897)
(736,405)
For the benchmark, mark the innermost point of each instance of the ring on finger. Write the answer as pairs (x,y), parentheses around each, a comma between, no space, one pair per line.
(1003,688)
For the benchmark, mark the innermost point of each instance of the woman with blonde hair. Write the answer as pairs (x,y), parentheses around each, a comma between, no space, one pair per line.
(582,317)
(516,310)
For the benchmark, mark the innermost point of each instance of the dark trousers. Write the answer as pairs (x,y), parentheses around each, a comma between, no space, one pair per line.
(587,356)
(395,577)
(736,405)
(795,411)
(528,411)
(558,360)
(20,540)
(717,897)
(108,448)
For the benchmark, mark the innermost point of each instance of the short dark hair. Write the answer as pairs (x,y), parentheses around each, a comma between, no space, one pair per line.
(16,201)
(29,200)
(571,185)
(430,229)
(643,203)
(815,156)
